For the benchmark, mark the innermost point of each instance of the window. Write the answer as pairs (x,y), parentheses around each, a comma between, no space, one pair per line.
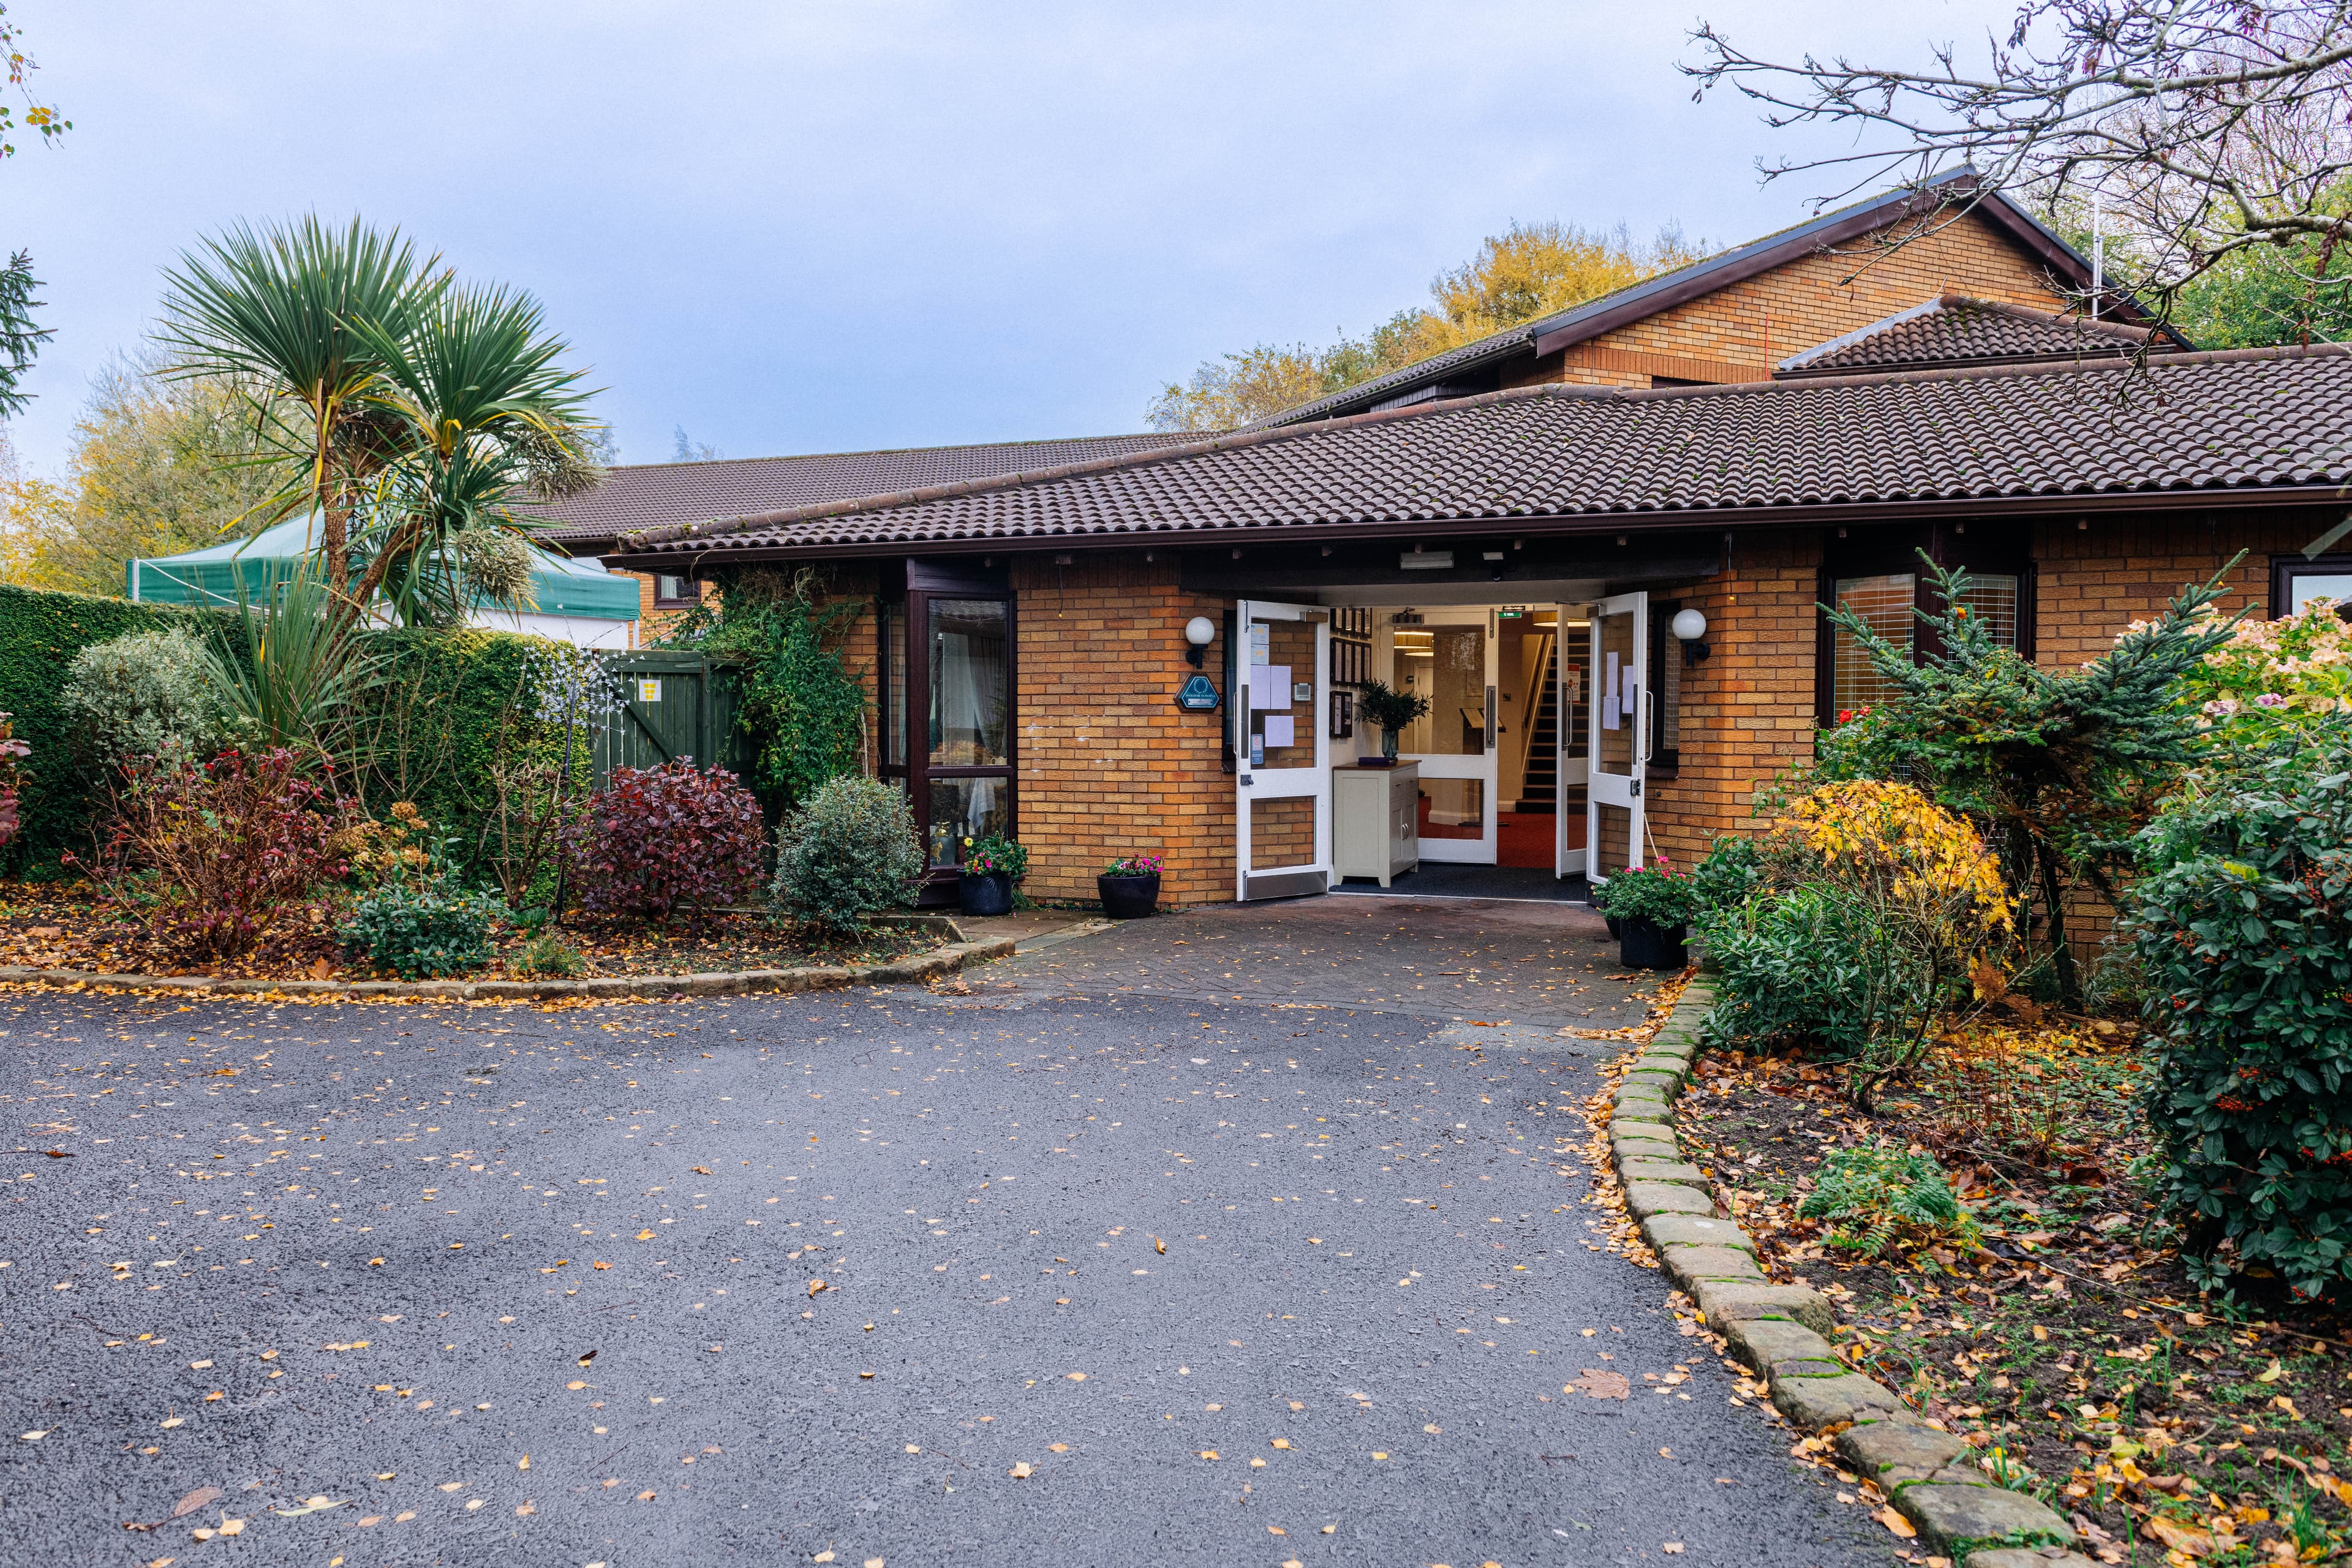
(671,592)
(1665,689)
(1885,605)
(947,710)
(1847,683)
(2297,580)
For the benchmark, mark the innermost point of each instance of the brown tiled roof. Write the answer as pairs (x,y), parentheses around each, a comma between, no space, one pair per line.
(2242,421)
(650,495)
(1956,329)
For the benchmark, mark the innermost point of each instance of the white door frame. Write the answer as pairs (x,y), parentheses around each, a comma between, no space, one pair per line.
(1257,784)
(1566,862)
(1603,787)
(1481,851)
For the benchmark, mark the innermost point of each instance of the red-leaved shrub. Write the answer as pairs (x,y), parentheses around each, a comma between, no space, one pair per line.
(206,855)
(11,749)
(656,839)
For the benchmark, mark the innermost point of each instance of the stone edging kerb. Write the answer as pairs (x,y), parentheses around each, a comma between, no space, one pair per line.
(1783,1331)
(921,966)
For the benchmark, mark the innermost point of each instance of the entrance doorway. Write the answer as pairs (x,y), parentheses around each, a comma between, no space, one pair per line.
(1501,751)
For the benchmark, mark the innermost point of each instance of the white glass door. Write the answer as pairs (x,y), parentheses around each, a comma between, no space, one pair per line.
(1448,656)
(1282,751)
(1619,744)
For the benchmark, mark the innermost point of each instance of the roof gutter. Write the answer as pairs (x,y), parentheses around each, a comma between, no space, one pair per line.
(1545,525)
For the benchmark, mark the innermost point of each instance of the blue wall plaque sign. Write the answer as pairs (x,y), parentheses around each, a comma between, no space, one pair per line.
(1199,696)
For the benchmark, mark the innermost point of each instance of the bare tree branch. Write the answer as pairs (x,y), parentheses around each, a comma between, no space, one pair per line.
(2205,128)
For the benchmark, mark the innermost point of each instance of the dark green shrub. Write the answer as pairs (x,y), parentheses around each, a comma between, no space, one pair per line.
(422,929)
(1659,894)
(850,853)
(1733,868)
(2243,926)
(1799,968)
(1875,1194)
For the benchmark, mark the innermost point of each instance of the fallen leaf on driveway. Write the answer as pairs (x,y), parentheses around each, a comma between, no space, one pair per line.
(1674,1546)
(181,1510)
(815,1286)
(1895,1523)
(315,1505)
(586,1358)
(1021,1471)
(1597,1383)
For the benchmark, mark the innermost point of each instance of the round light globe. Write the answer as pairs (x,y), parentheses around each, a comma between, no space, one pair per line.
(1200,631)
(1689,625)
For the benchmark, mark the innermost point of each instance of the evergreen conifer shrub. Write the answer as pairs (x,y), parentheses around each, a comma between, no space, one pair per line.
(849,854)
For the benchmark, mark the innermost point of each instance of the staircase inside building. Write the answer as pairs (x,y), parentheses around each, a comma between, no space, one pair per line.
(1540,786)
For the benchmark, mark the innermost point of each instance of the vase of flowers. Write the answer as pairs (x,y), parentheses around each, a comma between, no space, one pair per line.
(1129,886)
(1650,908)
(990,867)
(1391,709)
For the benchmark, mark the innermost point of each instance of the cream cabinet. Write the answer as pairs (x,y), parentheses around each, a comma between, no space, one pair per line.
(1375,821)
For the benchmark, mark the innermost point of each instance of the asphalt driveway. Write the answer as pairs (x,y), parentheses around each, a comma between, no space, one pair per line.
(1082,1268)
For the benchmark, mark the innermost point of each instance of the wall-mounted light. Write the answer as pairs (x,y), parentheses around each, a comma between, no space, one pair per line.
(1689,627)
(1200,631)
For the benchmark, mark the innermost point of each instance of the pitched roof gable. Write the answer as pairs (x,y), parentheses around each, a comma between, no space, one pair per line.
(1582,322)
(1956,329)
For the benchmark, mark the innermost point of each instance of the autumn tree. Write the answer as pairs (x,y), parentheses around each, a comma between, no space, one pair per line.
(1528,271)
(153,471)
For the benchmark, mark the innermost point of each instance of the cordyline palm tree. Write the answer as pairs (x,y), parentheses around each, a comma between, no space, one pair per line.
(483,416)
(278,309)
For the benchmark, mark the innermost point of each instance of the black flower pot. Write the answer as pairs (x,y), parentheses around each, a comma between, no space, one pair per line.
(1645,944)
(986,893)
(1128,898)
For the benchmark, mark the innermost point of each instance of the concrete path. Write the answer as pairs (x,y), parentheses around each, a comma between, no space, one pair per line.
(544,1288)
(1452,959)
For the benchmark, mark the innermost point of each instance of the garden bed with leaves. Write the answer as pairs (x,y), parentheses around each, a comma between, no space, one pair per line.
(67,925)
(2048,1315)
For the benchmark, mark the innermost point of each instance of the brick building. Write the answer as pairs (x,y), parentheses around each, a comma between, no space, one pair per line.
(1520,529)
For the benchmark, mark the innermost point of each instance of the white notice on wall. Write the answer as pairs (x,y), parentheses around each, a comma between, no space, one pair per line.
(1610,714)
(1270,686)
(1280,731)
(1260,642)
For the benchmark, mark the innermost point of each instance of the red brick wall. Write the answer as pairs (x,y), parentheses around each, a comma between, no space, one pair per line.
(1108,764)
(1747,712)
(1740,331)
(2094,576)
(1282,833)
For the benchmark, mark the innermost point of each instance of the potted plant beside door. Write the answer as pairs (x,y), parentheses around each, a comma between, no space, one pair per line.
(1651,908)
(1129,886)
(1391,709)
(991,867)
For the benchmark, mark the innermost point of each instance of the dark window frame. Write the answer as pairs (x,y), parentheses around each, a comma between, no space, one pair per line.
(1995,549)
(671,601)
(2284,569)
(911,589)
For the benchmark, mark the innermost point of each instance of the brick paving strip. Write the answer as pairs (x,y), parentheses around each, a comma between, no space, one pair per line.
(937,964)
(1779,1330)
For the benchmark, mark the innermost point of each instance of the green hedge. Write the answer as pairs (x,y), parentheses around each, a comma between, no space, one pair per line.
(39,634)
(434,723)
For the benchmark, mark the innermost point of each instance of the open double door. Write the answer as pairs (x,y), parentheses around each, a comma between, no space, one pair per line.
(1280,731)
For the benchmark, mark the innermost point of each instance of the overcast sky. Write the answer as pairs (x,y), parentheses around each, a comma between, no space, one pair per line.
(828,227)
